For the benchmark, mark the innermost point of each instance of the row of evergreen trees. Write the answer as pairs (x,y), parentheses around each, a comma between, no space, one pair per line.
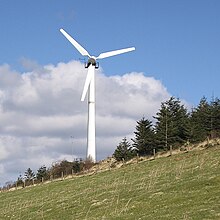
(173,126)
(57,170)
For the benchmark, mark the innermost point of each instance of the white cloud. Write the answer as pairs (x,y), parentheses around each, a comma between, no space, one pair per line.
(40,110)
(3,152)
(1,169)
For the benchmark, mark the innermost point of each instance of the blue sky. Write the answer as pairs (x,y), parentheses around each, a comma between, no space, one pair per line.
(41,76)
(177,42)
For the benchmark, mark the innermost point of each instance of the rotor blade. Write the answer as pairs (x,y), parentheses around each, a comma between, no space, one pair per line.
(87,82)
(75,43)
(115,52)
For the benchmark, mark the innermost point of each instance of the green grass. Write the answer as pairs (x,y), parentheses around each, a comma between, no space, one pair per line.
(184,186)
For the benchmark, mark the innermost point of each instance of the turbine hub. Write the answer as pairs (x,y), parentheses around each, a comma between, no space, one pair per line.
(92,61)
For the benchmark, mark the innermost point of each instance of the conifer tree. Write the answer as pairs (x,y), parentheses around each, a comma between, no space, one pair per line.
(124,151)
(163,127)
(144,137)
(201,121)
(42,173)
(19,181)
(215,118)
(29,175)
(77,166)
(172,124)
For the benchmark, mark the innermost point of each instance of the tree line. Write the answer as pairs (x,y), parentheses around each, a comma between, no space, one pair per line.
(173,126)
(55,171)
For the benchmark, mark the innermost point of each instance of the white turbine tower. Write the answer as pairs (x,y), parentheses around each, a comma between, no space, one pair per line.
(89,87)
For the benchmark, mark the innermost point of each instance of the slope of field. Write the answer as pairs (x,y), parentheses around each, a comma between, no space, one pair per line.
(183,186)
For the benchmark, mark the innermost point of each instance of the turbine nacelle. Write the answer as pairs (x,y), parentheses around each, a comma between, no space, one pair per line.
(92,61)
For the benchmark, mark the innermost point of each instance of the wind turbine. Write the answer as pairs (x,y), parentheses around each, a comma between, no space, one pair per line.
(89,87)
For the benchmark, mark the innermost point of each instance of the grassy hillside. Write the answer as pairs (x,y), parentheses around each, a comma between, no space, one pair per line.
(184,186)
